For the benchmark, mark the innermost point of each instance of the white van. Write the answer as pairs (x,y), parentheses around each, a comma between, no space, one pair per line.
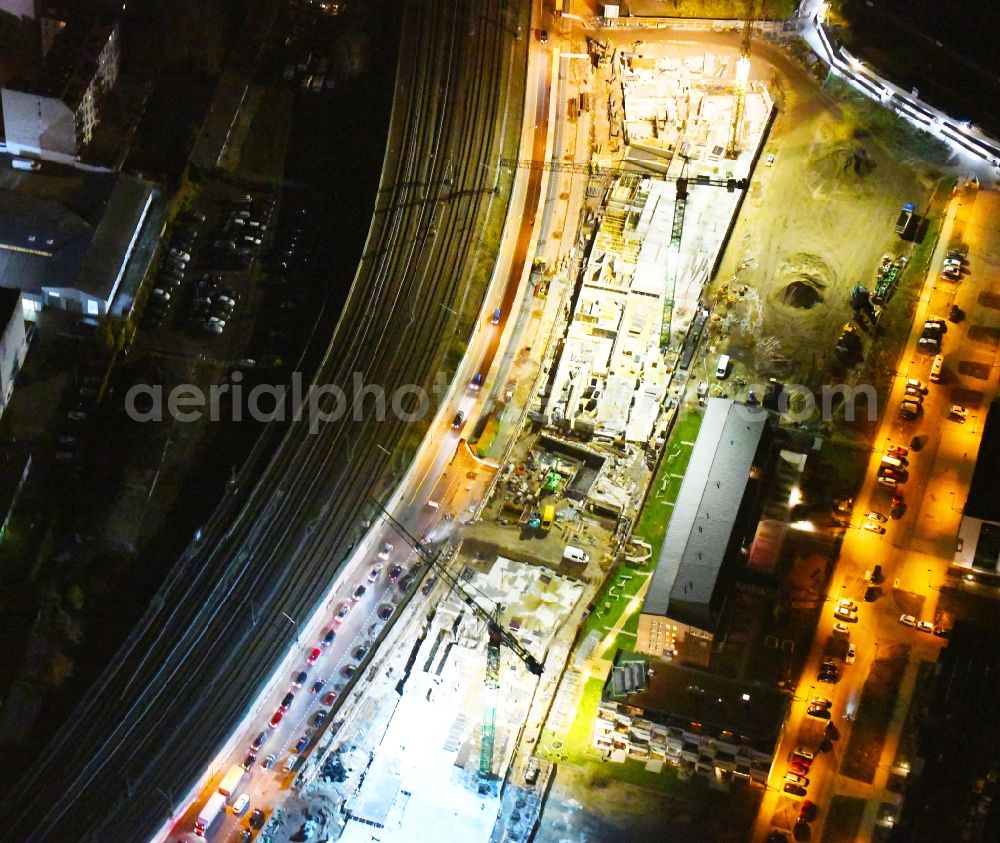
(25,164)
(574,554)
(891,462)
(936,368)
(722,370)
(291,763)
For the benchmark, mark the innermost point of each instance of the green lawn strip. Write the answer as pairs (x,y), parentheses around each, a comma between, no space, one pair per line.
(878,700)
(577,743)
(655,515)
(843,819)
(603,618)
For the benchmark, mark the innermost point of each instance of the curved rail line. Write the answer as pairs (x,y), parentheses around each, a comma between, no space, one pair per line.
(209,642)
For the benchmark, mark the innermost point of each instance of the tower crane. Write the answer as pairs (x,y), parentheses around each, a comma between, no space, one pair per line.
(673,254)
(594,170)
(497,636)
(742,80)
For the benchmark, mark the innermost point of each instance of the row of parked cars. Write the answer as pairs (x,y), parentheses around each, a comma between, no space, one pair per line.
(173,270)
(924,626)
(953,265)
(241,232)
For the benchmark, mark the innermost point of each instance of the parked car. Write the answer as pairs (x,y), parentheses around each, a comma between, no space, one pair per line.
(300,677)
(852,653)
(924,626)
(801,781)
(359,592)
(876,516)
(845,614)
(286,701)
(329,638)
(313,657)
(907,620)
(342,612)
(872,527)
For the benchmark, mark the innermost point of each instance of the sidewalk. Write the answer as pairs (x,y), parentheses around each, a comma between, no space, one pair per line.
(877,792)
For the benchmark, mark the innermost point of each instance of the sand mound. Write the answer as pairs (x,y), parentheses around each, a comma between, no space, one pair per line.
(849,161)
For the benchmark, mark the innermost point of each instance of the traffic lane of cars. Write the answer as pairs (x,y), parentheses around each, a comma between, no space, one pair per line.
(297,722)
(330,660)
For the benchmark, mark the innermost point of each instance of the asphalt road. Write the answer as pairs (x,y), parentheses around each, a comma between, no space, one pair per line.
(209,642)
(917,548)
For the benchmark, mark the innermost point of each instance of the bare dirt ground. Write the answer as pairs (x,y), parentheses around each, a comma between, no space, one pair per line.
(814,225)
(618,810)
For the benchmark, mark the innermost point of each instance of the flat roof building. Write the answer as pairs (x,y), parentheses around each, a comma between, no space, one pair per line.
(702,722)
(13,343)
(978,548)
(72,258)
(706,531)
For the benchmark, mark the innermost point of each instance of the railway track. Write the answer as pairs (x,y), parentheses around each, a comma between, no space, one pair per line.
(209,642)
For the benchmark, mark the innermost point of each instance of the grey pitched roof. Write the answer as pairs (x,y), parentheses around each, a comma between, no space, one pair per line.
(703,517)
(101,269)
(45,244)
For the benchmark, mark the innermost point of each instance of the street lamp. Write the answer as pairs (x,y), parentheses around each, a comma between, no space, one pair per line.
(954,508)
(294,623)
(929,572)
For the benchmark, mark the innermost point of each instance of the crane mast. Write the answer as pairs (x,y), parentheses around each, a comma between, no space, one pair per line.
(497,636)
(742,80)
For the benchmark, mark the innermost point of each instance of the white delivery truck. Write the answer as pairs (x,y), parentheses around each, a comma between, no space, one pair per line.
(213,807)
(574,554)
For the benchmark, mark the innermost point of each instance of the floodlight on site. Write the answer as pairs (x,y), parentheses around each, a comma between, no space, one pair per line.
(742,71)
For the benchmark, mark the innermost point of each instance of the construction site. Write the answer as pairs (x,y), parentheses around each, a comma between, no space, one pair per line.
(424,752)
(691,129)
